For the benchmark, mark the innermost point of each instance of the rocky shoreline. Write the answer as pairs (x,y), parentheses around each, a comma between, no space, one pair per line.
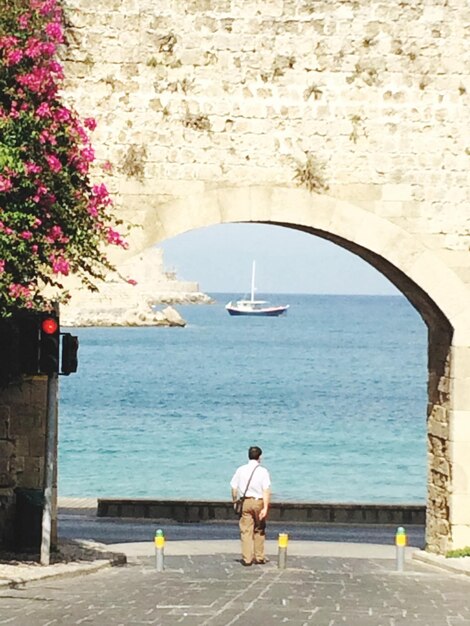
(106,314)
(148,299)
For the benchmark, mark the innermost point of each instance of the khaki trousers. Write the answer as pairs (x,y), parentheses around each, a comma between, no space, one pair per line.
(252,531)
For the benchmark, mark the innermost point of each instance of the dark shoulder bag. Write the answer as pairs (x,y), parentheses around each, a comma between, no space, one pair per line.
(238,504)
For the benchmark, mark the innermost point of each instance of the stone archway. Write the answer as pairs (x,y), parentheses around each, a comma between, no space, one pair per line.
(191,104)
(215,131)
(431,287)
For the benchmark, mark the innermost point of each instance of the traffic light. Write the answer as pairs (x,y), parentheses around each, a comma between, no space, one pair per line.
(69,354)
(49,339)
(30,344)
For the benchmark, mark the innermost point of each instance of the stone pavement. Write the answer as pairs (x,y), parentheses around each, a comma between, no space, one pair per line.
(214,590)
(325,583)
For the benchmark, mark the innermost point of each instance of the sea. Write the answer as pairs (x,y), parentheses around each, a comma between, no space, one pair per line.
(334,393)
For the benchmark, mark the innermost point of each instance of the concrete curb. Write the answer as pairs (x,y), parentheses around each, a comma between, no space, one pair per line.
(459,565)
(51,571)
(21,573)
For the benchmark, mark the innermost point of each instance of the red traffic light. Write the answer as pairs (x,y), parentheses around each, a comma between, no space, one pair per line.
(49,326)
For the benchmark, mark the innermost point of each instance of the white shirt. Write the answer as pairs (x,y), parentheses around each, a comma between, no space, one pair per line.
(259,482)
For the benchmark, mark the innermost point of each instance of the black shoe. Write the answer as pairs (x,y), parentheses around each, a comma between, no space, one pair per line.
(261,562)
(245,564)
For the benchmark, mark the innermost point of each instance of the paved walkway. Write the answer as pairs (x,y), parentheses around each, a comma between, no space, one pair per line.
(325,583)
(214,590)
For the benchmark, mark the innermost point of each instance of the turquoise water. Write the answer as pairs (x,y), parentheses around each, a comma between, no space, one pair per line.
(334,393)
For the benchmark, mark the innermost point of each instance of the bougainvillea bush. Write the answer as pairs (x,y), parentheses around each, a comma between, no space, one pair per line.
(53,219)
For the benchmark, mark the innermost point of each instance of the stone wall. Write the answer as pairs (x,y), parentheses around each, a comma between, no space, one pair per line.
(438,433)
(303,512)
(196,94)
(22,448)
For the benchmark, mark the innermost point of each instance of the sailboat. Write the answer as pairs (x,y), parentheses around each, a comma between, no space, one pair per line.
(254,307)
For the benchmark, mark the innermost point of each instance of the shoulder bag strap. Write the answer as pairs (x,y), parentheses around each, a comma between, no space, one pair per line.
(249,481)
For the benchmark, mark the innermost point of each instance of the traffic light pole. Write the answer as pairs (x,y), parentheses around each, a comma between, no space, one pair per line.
(51,434)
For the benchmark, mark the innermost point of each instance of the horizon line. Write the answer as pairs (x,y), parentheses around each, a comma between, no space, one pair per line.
(307,293)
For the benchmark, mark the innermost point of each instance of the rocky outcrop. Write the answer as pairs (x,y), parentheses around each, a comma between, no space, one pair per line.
(182,298)
(143,315)
(130,296)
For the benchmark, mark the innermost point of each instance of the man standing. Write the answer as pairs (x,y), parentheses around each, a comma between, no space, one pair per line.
(252,481)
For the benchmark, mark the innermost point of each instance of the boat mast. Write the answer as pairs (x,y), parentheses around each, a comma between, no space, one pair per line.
(253,282)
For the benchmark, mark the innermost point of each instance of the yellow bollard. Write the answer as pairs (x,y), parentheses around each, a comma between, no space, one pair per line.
(159,550)
(400,543)
(282,550)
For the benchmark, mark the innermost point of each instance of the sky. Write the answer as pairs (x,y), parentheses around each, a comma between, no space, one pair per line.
(220,259)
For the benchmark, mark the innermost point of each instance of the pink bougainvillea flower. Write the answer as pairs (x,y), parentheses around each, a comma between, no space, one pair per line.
(56,68)
(5,183)
(80,131)
(14,56)
(59,265)
(32,168)
(46,137)
(90,123)
(37,80)
(41,191)
(5,229)
(88,154)
(33,48)
(46,6)
(56,235)
(23,21)
(48,49)
(54,162)
(43,110)
(53,218)
(82,166)
(100,192)
(56,232)
(14,113)
(116,239)
(54,31)
(19,292)
(8,41)
(61,115)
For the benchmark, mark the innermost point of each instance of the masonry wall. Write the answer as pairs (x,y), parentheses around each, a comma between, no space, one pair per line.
(22,450)
(191,95)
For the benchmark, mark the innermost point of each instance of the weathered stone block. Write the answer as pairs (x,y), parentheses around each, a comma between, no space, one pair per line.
(32,475)
(22,446)
(37,445)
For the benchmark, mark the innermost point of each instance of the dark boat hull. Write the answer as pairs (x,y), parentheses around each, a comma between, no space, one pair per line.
(271,312)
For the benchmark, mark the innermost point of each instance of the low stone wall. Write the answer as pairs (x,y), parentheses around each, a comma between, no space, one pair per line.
(307,512)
